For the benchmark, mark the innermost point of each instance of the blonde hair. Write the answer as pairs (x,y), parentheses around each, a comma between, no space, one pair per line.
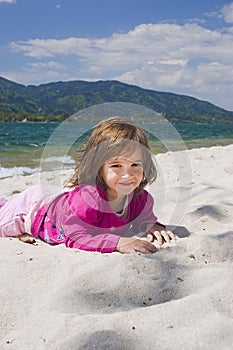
(110,138)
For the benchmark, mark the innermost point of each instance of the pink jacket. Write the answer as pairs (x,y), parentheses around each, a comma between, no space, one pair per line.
(83,219)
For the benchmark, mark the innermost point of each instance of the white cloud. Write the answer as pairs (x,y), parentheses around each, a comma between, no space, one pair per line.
(147,41)
(40,48)
(188,59)
(227,12)
(35,66)
(34,71)
(8,1)
(50,71)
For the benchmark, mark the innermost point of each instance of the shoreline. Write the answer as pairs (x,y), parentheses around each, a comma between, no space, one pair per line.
(179,298)
(27,167)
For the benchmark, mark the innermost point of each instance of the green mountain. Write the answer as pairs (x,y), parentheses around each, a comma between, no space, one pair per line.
(58,100)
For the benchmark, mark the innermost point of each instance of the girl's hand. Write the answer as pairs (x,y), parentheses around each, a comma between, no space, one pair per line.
(160,234)
(135,245)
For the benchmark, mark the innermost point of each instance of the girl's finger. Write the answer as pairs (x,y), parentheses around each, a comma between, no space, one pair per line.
(146,247)
(150,237)
(165,236)
(159,237)
(172,235)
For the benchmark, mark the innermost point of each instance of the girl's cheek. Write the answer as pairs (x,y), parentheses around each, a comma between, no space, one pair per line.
(139,171)
(111,174)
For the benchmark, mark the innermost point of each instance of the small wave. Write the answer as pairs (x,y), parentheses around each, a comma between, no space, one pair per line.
(50,163)
(21,170)
(33,144)
(63,160)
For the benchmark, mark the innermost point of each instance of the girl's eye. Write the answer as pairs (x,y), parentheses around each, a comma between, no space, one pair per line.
(137,164)
(115,166)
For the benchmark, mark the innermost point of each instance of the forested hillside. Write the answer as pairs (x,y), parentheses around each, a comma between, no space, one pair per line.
(58,100)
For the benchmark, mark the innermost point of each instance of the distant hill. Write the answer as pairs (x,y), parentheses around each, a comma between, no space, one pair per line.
(58,100)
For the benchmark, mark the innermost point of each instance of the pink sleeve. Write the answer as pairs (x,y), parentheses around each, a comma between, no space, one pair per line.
(146,208)
(103,243)
(78,222)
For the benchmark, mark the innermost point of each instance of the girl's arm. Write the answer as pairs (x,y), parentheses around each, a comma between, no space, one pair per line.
(147,222)
(103,243)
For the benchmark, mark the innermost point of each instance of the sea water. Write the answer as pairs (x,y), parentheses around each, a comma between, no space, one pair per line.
(25,146)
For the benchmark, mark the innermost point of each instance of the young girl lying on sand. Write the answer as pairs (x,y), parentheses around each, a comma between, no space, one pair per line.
(107,208)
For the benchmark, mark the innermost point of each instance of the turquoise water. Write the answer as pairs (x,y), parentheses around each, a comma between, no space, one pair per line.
(22,144)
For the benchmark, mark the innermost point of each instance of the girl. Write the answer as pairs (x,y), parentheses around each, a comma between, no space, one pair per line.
(107,208)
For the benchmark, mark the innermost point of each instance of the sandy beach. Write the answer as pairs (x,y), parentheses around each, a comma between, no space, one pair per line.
(56,298)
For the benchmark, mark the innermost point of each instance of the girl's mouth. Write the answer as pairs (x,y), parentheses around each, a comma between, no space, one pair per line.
(126,184)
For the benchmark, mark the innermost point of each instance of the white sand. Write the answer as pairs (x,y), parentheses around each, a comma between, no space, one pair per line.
(56,298)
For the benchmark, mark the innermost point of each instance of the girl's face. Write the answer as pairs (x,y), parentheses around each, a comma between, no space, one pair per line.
(122,175)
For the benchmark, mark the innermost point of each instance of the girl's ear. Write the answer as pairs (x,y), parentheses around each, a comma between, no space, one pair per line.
(100,181)
(143,182)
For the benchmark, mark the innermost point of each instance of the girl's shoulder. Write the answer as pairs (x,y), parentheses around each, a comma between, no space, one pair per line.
(144,198)
(93,190)
(89,195)
(143,195)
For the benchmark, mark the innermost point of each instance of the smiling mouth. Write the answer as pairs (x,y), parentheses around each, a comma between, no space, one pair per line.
(126,184)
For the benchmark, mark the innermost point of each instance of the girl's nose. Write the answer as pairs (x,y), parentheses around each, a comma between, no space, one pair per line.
(126,173)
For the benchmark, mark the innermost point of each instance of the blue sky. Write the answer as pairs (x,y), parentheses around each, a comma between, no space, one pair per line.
(180,46)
